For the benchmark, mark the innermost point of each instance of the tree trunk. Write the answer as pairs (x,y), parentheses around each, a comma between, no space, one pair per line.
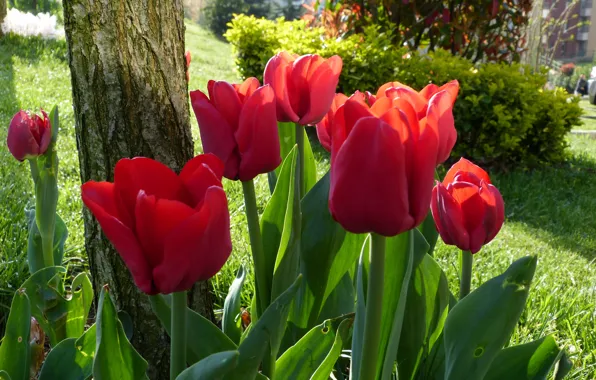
(3,11)
(130,99)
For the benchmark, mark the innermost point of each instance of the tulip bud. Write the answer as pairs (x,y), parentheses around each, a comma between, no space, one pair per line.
(28,135)
(468,210)
(187,57)
(304,86)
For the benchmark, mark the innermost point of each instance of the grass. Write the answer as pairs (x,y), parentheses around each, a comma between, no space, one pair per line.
(549,211)
(589,116)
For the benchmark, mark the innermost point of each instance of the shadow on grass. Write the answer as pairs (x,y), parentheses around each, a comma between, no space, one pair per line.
(558,200)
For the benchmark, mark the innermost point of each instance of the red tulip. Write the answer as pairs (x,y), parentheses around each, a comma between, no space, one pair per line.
(170,230)
(432,105)
(468,210)
(238,124)
(187,57)
(324,126)
(304,86)
(28,135)
(382,166)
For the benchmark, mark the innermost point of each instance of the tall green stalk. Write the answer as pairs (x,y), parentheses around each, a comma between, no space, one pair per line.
(256,246)
(300,161)
(178,341)
(466,262)
(374,308)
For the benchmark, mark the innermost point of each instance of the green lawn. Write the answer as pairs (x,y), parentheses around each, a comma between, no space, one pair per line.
(550,212)
(589,116)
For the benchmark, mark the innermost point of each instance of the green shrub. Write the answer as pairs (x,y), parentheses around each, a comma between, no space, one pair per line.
(503,117)
(257,40)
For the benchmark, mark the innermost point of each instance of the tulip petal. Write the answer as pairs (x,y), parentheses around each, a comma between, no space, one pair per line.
(452,88)
(368,190)
(197,248)
(99,197)
(464,165)
(428,91)
(226,101)
(141,173)
(421,165)
(246,88)
(209,159)
(20,140)
(322,84)
(345,118)
(199,174)
(440,115)
(414,98)
(217,135)
(155,219)
(258,135)
(494,211)
(276,75)
(324,126)
(383,88)
(45,132)
(468,197)
(298,83)
(448,218)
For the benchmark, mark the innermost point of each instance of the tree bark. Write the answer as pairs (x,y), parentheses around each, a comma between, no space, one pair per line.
(130,99)
(3,11)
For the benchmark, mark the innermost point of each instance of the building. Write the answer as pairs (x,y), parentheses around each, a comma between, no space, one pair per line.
(570,29)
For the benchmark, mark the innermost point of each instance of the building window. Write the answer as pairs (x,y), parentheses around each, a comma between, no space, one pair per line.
(581,48)
(585,28)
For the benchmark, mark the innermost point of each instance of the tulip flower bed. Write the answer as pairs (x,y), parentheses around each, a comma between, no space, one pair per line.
(535,322)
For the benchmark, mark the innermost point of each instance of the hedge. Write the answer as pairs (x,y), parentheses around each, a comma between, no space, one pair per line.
(502,115)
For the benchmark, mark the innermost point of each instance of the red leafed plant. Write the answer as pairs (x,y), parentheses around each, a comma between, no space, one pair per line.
(336,18)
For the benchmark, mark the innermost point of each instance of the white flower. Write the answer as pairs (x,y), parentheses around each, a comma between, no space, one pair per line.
(27,24)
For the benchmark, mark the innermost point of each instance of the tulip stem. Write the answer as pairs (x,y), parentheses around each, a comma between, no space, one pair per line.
(374,308)
(34,170)
(300,162)
(256,245)
(178,330)
(466,262)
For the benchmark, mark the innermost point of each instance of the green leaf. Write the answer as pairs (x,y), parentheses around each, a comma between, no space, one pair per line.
(327,253)
(271,181)
(341,338)
(266,333)
(481,323)
(398,272)
(231,323)
(199,330)
(303,359)
(127,324)
(358,333)
(59,317)
(287,140)
(4,375)
(34,246)
(531,361)
(15,352)
(280,245)
(429,231)
(115,358)
(55,124)
(426,310)
(563,368)
(71,359)
(213,367)
(46,192)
